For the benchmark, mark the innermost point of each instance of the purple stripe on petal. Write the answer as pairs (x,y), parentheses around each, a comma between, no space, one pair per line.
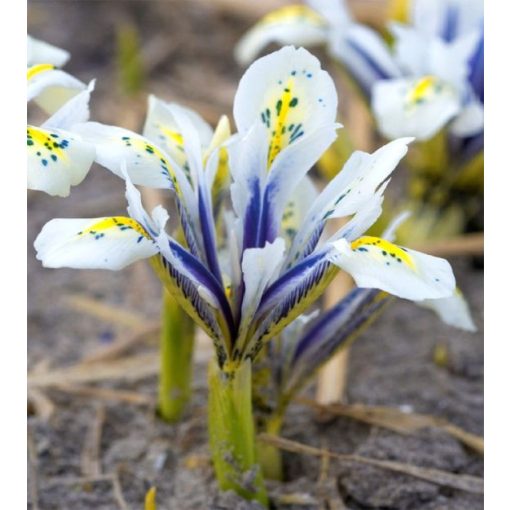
(208,235)
(378,71)
(331,331)
(450,24)
(205,278)
(252,216)
(331,322)
(476,66)
(283,284)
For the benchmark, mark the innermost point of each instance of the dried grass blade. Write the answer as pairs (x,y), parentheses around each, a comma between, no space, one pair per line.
(466,483)
(398,421)
(129,368)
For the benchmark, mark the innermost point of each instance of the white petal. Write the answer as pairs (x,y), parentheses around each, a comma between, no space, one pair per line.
(376,263)
(260,266)
(351,189)
(296,208)
(410,107)
(293,24)
(51,87)
(137,211)
(452,310)
(75,111)
(162,129)
(359,178)
(289,93)
(93,243)
(57,160)
(40,52)
(411,49)
(430,16)
(470,120)
(336,13)
(364,218)
(291,165)
(146,164)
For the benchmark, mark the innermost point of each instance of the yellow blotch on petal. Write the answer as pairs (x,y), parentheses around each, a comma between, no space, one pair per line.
(119,223)
(385,248)
(48,146)
(283,117)
(173,136)
(422,90)
(38,69)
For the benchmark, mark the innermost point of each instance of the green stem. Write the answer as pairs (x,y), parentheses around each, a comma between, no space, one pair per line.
(177,338)
(270,456)
(232,432)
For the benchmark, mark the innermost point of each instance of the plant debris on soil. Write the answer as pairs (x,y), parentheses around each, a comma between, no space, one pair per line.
(94,440)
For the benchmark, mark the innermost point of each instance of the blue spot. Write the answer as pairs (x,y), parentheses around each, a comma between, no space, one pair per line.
(44,162)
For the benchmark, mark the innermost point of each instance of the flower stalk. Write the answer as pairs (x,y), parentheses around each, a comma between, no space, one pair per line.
(270,457)
(232,432)
(176,359)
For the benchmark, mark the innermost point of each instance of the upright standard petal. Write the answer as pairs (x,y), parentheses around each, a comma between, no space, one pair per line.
(56,160)
(260,267)
(348,192)
(40,52)
(163,129)
(364,54)
(289,93)
(292,24)
(414,107)
(50,87)
(379,264)
(93,243)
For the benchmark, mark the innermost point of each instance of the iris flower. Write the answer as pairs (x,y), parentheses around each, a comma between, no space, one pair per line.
(56,158)
(432,76)
(247,279)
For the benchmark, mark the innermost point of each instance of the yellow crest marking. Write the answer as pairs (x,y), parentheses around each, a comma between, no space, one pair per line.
(387,249)
(282,110)
(38,69)
(423,89)
(120,223)
(282,116)
(173,136)
(48,146)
